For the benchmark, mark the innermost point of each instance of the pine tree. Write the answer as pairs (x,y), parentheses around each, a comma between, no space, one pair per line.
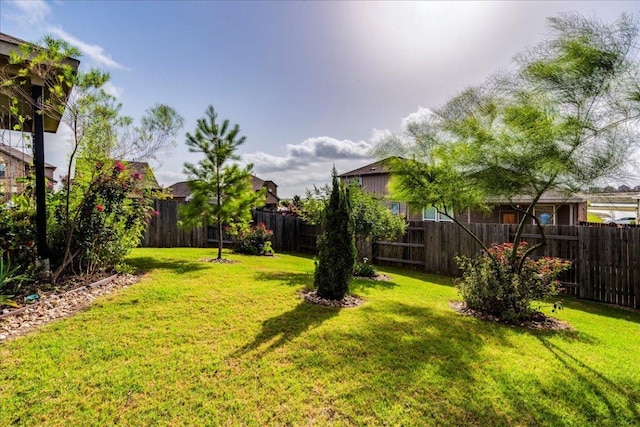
(337,246)
(221,193)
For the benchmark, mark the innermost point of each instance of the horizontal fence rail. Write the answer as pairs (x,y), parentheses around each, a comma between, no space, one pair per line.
(605,260)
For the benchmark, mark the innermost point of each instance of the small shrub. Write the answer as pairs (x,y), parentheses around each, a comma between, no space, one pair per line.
(18,234)
(498,289)
(10,278)
(364,269)
(251,240)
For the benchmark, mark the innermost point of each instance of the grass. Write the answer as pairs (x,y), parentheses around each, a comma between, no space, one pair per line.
(199,344)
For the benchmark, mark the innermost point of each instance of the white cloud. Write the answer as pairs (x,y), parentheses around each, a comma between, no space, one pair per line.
(417,116)
(325,147)
(309,152)
(33,12)
(93,51)
(169,177)
(113,90)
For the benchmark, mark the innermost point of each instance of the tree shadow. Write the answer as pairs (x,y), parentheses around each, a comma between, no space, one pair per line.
(597,383)
(285,278)
(361,283)
(420,275)
(602,309)
(281,329)
(178,266)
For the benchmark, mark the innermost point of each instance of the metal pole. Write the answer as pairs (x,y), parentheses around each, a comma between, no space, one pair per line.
(38,162)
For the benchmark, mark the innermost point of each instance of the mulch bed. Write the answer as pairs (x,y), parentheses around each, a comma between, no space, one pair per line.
(218,261)
(349,301)
(376,278)
(539,321)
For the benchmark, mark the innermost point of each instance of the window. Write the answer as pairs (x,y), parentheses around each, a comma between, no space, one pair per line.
(430,213)
(509,217)
(3,168)
(546,214)
(395,208)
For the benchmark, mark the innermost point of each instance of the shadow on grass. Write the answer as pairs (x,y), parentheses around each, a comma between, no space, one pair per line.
(286,279)
(364,283)
(598,384)
(410,351)
(602,309)
(281,329)
(418,275)
(179,266)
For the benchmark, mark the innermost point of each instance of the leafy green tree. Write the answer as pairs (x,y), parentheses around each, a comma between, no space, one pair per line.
(337,253)
(565,118)
(100,212)
(221,193)
(372,219)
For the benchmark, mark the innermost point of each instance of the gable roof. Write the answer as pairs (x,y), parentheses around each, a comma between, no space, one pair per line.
(143,168)
(180,189)
(376,168)
(257,183)
(20,155)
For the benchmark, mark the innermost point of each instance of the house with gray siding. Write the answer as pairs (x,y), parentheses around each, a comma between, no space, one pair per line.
(553,208)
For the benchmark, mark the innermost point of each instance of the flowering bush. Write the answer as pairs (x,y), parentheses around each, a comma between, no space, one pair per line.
(491,284)
(251,240)
(109,213)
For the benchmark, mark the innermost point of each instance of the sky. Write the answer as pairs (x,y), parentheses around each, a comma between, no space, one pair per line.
(311,84)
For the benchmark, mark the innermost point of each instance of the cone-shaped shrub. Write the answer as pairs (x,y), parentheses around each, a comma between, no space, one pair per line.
(337,246)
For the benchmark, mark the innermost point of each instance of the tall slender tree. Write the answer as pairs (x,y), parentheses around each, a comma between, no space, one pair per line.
(221,192)
(337,245)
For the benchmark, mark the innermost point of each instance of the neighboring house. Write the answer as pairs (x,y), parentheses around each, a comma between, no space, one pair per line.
(15,164)
(553,209)
(373,178)
(613,206)
(272,200)
(180,191)
(148,178)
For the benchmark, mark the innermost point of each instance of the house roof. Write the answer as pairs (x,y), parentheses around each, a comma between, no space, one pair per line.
(180,189)
(20,155)
(257,183)
(376,168)
(7,45)
(143,168)
(614,198)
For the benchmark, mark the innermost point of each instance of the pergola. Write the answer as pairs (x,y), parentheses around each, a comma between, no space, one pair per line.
(30,106)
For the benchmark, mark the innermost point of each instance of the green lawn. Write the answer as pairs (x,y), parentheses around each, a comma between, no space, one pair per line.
(200,344)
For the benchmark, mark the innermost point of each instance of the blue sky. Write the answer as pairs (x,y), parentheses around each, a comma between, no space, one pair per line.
(311,84)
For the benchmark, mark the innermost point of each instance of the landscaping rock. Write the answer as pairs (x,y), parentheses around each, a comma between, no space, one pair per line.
(55,306)
(539,320)
(346,302)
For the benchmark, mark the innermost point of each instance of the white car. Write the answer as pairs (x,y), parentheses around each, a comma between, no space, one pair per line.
(622,221)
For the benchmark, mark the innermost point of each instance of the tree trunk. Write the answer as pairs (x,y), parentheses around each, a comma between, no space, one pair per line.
(219,240)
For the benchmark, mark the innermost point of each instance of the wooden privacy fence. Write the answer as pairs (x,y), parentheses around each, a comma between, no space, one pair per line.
(605,260)
(290,234)
(163,230)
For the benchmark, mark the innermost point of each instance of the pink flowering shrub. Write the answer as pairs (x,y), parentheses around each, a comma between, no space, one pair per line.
(113,210)
(491,284)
